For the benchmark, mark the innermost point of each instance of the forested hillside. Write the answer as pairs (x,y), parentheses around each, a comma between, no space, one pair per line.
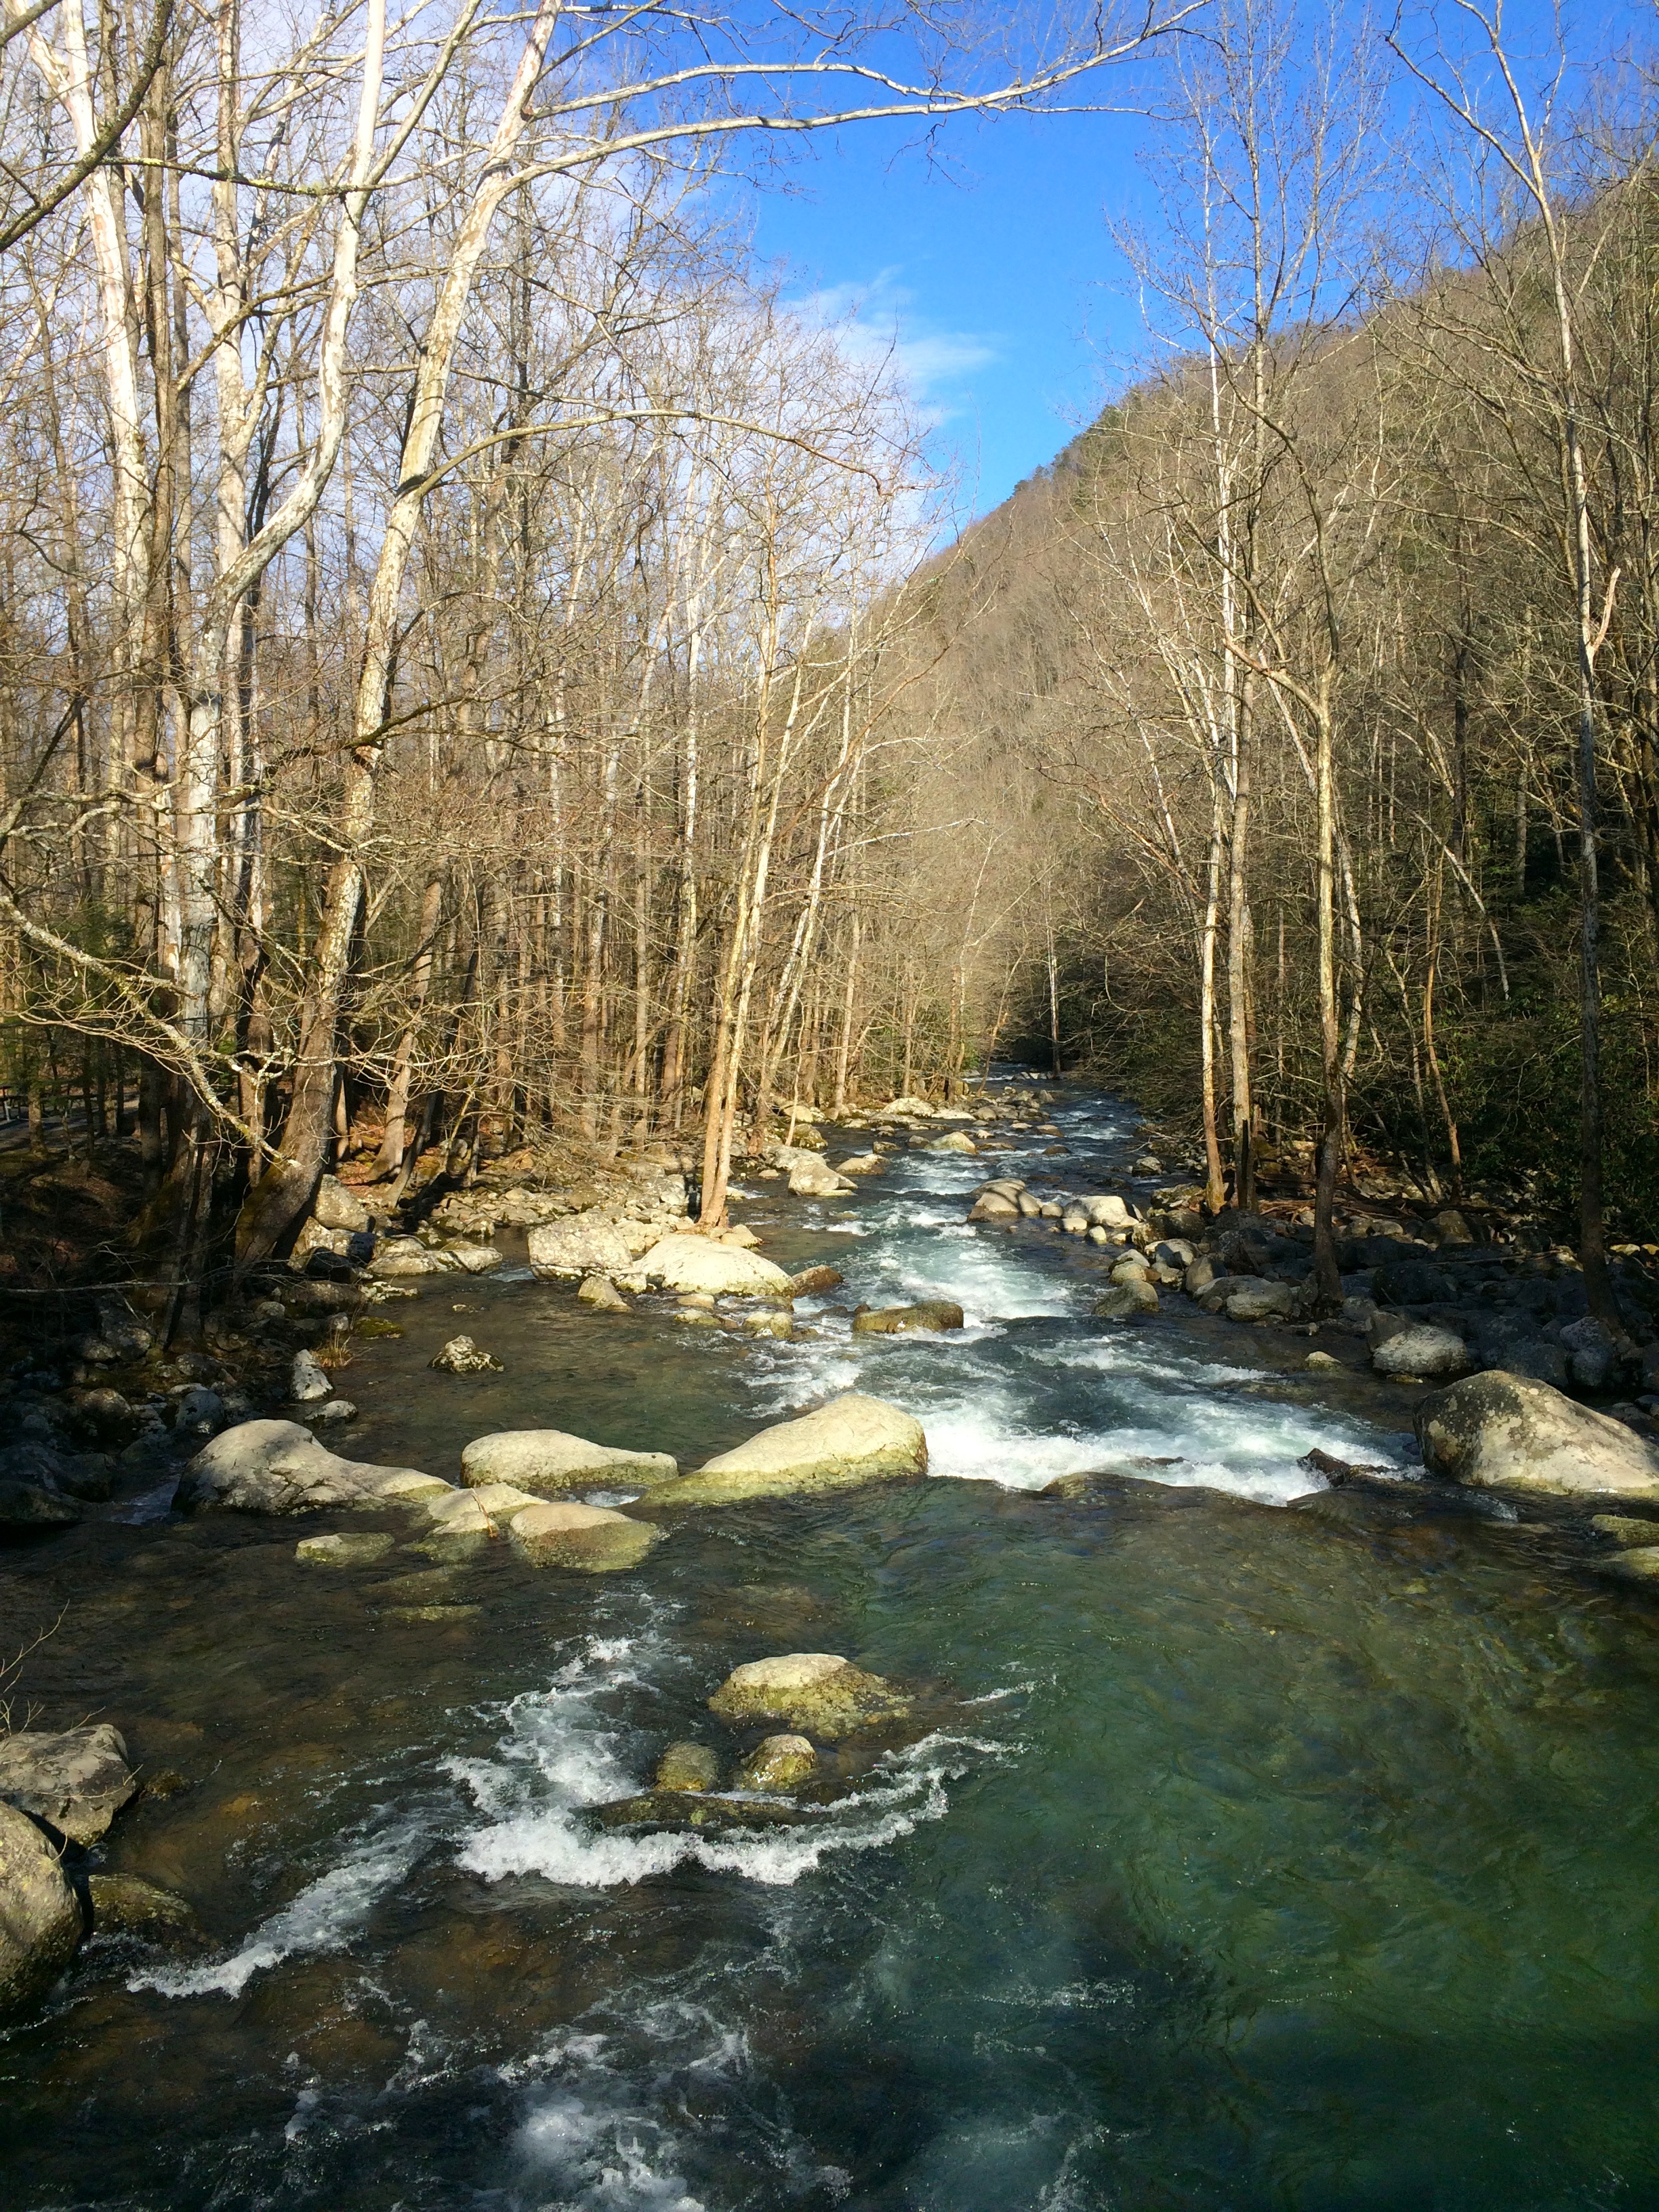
(1307,701)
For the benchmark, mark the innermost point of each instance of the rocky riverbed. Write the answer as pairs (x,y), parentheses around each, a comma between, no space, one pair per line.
(578,1778)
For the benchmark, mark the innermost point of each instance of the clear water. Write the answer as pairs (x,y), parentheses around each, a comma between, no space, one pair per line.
(1247,1858)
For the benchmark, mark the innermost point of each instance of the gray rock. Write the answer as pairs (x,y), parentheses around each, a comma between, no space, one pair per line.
(199,1412)
(816,1178)
(40,1912)
(29,1505)
(600,1290)
(336,1207)
(1262,1301)
(1450,1228)
(1428,1354)
(78,1780)
(472,1259)
(1126,1301)
(1593,1353)
(307,1379)
(403,1255)
(1412,1282)
(277,1466)
(995,1205)
(853,1439)
(332,1410)
(460,1356)
(595,1242)
(685,1263)
(1504,1431)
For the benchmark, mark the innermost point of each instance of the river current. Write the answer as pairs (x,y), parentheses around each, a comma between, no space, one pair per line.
(1252,1857)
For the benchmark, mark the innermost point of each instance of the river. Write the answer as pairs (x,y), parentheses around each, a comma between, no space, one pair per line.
(1252,1859)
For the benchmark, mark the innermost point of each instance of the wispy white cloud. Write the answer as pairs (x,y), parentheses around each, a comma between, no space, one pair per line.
(879,320)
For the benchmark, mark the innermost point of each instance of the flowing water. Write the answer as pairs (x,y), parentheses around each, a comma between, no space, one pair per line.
(1250,1857)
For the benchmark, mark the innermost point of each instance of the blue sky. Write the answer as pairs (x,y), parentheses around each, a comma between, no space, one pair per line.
(992,264)
(988,258)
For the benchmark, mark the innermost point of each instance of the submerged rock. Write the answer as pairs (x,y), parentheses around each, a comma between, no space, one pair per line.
(277,1466)
(549,1462)
(935,1313)
(77,1779)
(1626,1528)
(592,1539)
(344,1551)
(1638,1565)
(684,1262)
(40,1912)
(817,1692)
(778,1764)
(688,1767)
(122,1905)
(1506,1432)
(851,1440)
(679,1808)
(460,1356)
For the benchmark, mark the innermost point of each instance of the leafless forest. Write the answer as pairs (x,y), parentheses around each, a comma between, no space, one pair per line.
(478,664)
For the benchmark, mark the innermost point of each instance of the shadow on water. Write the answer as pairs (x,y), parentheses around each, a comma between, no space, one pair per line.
(1246,1858)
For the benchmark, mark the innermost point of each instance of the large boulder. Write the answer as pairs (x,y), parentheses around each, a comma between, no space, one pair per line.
(549,1462)
(589,1538)
(39,1913)
(1501,1432)
(591,1244)
(934,1313)
(851,1440)
(1425,1353)
(684,1262)
(818,1693)
(78,1780)
(277,1466)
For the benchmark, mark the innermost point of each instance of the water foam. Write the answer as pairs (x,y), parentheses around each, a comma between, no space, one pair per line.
(325,1917)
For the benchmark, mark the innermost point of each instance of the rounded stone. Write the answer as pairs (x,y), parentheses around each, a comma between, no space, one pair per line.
(592,1539)
(779,1764)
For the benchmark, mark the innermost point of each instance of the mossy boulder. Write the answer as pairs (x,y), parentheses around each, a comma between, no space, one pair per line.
(550,1461)
(928,1313)
(818,1693)
(853,1439)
